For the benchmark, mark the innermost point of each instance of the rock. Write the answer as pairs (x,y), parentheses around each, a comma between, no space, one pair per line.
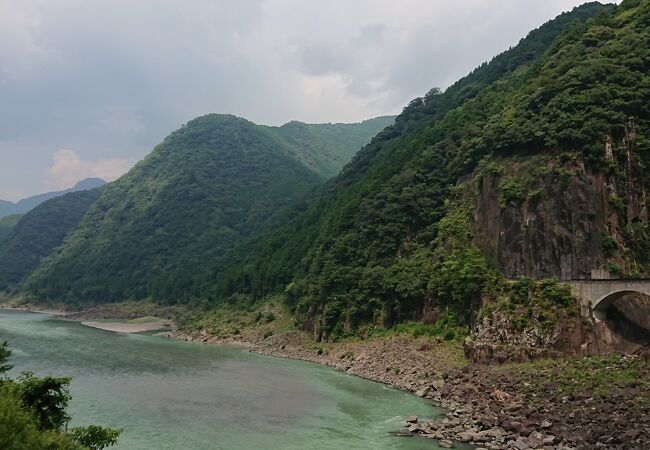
(520,444)
(412,419)
(514,426)
(546,424)
(438,384)
(446,443)
(549,439)
(423,392)
(413,428)
(465,436)
(535,439)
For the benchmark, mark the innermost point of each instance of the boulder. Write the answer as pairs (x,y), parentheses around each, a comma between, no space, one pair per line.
(423,392)
(412,419)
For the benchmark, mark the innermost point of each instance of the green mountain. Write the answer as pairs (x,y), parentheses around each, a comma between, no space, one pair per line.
(7,224)
(533,165)
(208,187)
(37,233)
(29,203)
(326,148)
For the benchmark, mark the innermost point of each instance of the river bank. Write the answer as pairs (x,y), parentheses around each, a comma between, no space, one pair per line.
(581,403)
(577,402)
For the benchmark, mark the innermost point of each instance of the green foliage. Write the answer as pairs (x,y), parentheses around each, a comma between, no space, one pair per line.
(326,148)
(7,224)
(95,437)
(613,267)
(19,429)
(616,202)
(47,398)
(610,245)
(589,376)
(164,230)
(39,232)
(526,301)
(5,353)
(461,277)
(446,327)
(512,190)
(33,415)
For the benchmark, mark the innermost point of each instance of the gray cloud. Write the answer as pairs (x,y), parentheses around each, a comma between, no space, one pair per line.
(108,80)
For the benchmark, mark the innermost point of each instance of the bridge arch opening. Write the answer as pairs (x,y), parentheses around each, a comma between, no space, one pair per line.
(626,313)
(602,305)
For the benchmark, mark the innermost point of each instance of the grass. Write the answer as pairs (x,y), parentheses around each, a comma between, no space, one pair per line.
(594,376)
(233,321)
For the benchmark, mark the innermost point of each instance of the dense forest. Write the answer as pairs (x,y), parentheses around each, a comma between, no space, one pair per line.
(7,224)
(39,232)
(211,185)
(326,148)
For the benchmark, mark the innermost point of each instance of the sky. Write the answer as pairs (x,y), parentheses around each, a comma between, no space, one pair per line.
(88,88)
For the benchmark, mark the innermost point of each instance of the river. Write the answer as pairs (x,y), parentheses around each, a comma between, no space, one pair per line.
(169,394)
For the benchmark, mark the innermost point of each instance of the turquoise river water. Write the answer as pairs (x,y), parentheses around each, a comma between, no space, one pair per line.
(168,394)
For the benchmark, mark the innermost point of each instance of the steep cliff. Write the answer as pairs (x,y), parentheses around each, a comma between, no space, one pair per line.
(555,216)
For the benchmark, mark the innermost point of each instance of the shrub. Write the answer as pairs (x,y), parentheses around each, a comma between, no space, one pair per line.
(610,245)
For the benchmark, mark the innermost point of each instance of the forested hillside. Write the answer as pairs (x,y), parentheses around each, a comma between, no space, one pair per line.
(7,224)
(39,232)
(210,186)
(394,237)
(327,147)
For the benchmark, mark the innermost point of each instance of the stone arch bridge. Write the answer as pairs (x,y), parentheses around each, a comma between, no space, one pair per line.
(597,295)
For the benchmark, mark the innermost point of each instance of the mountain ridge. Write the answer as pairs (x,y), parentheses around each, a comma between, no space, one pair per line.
(26,204)
(217,181)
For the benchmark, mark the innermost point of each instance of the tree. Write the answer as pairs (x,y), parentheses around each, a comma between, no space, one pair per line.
(47,398)
(95,437)
(5,353)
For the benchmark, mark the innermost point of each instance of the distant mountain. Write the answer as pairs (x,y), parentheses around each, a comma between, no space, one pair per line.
(213,184)
(26,204)
(327,147)
(37,233)
(6,208)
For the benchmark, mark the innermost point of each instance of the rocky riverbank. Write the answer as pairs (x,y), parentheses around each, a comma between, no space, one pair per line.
(577,403)
(570,403)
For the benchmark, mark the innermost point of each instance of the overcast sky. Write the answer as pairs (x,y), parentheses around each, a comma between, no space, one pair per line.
(88,87)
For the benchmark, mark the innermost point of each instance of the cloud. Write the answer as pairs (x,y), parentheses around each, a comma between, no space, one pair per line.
(112,79)
(68,168)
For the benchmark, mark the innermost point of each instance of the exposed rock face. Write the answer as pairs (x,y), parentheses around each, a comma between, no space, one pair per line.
(558,235)
(555,225)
